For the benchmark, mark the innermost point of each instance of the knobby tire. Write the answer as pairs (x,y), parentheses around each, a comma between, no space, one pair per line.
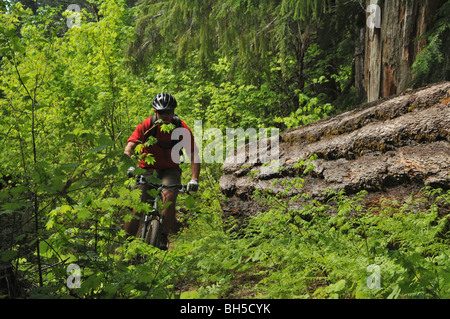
(152,235)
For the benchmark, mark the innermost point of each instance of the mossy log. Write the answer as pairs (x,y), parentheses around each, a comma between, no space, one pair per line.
(391,148)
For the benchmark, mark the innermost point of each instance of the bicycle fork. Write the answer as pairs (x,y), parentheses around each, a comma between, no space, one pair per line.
(149,217)
(144,227)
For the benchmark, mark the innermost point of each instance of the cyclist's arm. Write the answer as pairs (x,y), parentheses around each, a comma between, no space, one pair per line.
(137,136)
(129,149)
(195,170)
(195,166)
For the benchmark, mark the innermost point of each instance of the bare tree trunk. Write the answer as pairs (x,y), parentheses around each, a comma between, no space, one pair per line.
(359,64)
(301,46)
(391,49)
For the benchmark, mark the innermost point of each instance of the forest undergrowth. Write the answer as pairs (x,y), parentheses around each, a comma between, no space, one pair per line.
(333,249)
(68,104)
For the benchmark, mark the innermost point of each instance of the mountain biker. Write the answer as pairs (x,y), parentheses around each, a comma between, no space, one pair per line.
(165,165)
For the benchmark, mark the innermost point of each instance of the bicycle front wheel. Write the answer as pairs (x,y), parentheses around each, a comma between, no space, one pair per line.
(152,235)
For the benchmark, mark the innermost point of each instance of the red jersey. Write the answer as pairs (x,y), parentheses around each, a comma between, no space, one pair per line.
(162,151)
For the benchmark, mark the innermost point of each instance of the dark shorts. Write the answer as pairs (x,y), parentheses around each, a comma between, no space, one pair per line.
(168,177)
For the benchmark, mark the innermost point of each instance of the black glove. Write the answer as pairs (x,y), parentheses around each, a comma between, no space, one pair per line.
(192,186)
(130,172)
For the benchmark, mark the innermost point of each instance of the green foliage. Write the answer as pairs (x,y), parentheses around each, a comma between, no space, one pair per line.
(324,250)
(308,112)
(68,103)
(215,99)
(433,63)
(264,44)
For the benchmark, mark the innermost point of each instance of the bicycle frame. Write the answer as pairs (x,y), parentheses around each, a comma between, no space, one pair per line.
(155,213)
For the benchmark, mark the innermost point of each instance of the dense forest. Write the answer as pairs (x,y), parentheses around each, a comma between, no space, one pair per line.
(76,79)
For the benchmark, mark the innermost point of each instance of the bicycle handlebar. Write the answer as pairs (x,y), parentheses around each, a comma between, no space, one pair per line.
(182,188)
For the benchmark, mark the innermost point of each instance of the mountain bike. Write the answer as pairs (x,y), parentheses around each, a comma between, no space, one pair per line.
(151,231)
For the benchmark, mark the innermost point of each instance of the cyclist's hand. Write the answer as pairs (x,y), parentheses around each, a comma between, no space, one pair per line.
(130,172)
(192,186)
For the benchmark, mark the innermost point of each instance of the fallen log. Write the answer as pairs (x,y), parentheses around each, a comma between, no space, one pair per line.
(390,148)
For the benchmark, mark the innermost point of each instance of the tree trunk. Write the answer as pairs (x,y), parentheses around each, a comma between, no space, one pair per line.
(359,64)
(392,47)
(301,46)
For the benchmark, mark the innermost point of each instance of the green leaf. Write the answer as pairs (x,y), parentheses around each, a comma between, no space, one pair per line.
(395,293)
(149,159)
(8,255)
(98,148)
(190,202)
(192,294)
(167,128)
(84,214)
(150,141)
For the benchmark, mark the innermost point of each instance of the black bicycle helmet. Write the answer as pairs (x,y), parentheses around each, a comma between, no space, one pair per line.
(164,102)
